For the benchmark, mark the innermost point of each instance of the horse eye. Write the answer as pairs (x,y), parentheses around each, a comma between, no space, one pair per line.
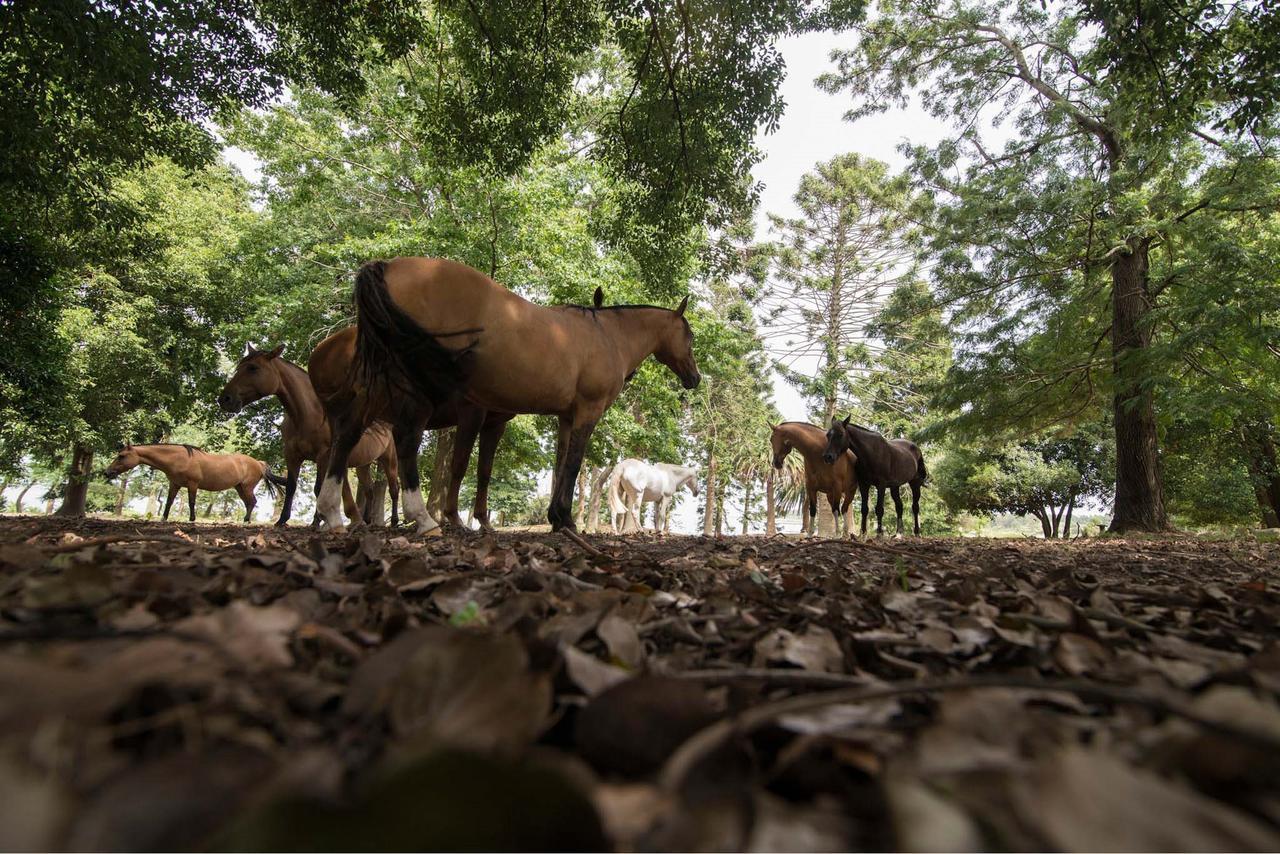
(253,369)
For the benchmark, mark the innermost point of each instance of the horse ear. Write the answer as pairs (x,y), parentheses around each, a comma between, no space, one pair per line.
(846,419)
(597,299)
(684,303)
(275,354)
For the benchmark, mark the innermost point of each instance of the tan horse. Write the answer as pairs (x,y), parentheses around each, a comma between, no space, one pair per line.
(503,354)
(304,432)
(196,469)
(330,368)
(838,480)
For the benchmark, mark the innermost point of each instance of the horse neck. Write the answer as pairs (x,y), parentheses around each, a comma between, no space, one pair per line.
(298,396)
(158,456)
(637,332)
(809,442)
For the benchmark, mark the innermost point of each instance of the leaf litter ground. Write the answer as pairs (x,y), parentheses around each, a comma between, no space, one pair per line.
(182,686)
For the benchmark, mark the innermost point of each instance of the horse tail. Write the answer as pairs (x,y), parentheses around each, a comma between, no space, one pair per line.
(394,352)
(272,481)
(924,472)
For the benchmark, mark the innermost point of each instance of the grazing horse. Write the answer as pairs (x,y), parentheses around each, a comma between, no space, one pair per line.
(634,483)
(430,329)
(304,432)
(881,463)
(837,480)
(330,368)
(195,469)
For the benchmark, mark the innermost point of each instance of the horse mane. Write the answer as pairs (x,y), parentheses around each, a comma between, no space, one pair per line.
(190,448)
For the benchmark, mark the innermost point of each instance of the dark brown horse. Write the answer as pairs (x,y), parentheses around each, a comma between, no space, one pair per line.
(836,480)
(882,463)
(304,432)
(331,371)
(430,329)
(186,465)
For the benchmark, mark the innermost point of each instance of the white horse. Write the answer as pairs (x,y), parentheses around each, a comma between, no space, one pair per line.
(634,483)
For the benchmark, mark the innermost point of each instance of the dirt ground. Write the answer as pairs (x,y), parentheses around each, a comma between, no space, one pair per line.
(175,686)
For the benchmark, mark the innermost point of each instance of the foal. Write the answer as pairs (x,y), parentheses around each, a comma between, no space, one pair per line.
(502,354)
(837,480)
(881,463)
(195,469)
(304,432)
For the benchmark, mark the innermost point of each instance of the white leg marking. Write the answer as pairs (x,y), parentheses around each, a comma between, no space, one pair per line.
(416,511)
(329,504)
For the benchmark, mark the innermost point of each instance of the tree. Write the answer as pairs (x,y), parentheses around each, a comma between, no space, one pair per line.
(1044,479)
(1045,246)
(834,265)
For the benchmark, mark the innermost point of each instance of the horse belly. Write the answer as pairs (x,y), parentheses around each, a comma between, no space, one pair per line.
(219,476)
(371,446)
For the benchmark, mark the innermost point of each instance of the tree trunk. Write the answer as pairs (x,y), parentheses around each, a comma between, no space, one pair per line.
(17,502)
(770,508)
(1066,532)
(708,515)
(377,502)
(1045,527)
(440,471)
(1264,471)
(78,475)
(1056,514)
(1139,502)
(746,507)
(153,502)
(598,483)
(208,508)
(719,514)
(584,481)
(121,495)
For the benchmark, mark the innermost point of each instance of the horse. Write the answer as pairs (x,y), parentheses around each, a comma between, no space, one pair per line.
(331,366)
(837,479)
(881,463)
(634,483)
(506,355)
(304,432)
(189,466)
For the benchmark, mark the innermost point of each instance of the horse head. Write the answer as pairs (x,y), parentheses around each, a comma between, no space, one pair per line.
(125,459)
(780,444)
(675,348)
(837,440)
(256,376)
(691,480)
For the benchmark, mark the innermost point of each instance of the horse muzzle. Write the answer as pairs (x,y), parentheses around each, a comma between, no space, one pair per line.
(777,463)
(229,403)
(691,382)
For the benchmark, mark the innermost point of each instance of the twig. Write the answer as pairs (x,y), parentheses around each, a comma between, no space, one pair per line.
(577,538)
(706,741)
(776,676)
(119,538)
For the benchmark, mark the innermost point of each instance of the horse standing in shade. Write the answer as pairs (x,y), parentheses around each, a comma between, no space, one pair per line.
(189,466)
(837,479)
(430,329)
(331,369)
(635,483)
(881,463)
(304,432)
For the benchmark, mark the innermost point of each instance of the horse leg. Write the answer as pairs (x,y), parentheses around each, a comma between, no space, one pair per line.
(865,490)
(844,514)
(349,505)
(294,467)
(490,435)
(347,431)
(659,513)
(575,435)
(364,482)
(408,436)
(634,502)
(915,505)
(896,492)
(834,500)
(470,419)
(173,493)
(250,500)
(879,511)
(811,502)
(191,499)
(391,471)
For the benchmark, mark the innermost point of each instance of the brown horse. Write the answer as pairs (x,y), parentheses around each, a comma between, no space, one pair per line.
(304,432)
(196,469)
(836,480)
(504,354)
(330,369)
(881,463)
